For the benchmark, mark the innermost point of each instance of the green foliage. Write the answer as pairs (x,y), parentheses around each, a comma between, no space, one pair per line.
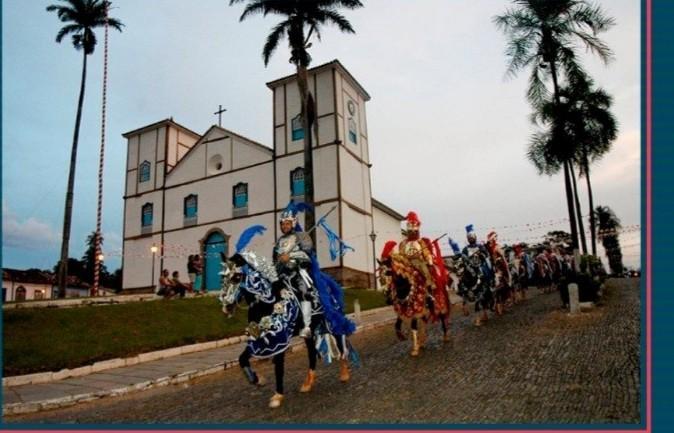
(41,339)
(301,19)
(81,18)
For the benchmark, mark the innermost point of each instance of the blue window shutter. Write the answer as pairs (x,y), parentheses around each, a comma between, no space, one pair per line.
(297,129)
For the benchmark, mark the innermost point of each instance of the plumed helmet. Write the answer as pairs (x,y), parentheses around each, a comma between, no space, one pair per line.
(470,233)
(492,237)
(412,221)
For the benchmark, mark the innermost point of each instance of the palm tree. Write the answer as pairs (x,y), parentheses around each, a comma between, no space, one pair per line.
(81,18)
(609,225)
(302,19)
(543,34)
(595,128)
(587,128)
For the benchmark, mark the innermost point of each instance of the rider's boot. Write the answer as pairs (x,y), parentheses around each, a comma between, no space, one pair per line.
(309,381)
(415,343)
(344,373)
(306,317)
(276,400)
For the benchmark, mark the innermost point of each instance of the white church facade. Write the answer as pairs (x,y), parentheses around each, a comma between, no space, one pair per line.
(188,193)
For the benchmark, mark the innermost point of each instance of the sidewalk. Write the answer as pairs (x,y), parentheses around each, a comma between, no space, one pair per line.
(171,370)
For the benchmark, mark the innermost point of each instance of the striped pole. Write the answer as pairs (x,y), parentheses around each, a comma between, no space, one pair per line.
(99,207)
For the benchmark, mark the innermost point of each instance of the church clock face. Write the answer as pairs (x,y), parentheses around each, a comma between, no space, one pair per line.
(351,107)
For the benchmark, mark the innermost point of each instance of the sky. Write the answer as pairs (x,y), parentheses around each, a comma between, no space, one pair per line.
(448,130)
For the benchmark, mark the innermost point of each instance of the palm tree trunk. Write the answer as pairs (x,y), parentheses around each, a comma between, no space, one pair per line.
(567,181)
(309,216)
(593,234)
(63,264)
(581,228)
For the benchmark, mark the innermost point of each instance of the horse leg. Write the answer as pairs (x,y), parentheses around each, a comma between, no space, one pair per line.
(415,338)
(344,373)
(249,373)
(423,336)
(312,353)
(444,319)
(277,398)
(399,332)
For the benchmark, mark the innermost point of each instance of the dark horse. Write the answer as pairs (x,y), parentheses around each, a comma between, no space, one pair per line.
(475,284)
(274,317)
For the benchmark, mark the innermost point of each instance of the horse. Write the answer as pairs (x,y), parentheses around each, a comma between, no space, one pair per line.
(475,285)
(414,300)
(274,317)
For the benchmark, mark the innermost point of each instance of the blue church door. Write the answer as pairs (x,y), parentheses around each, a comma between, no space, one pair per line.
(214,245)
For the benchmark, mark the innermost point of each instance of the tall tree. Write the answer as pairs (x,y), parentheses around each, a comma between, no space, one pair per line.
(543,35)
(586,128)
(302,19)
(609,228)
(81,18)
(89,258)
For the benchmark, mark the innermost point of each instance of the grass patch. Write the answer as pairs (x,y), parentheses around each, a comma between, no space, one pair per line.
(50,339)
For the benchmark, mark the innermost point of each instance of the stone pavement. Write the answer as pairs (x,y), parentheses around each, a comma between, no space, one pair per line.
(114,382)
(536,364)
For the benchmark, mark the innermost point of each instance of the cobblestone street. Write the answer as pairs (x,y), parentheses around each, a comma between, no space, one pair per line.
(536,364)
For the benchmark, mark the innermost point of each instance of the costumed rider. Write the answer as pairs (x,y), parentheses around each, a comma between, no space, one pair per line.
(476,258)
(502,277)
(292,257)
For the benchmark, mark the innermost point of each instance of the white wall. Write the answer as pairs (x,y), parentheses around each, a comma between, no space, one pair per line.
(31,288)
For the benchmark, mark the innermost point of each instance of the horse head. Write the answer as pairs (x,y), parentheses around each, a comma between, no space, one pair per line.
(232,279)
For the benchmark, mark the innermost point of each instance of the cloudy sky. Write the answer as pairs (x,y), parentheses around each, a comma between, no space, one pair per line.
(441,106)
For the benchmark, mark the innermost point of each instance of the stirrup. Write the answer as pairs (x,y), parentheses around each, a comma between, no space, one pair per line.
(305,332)
(275,400)
(309,381)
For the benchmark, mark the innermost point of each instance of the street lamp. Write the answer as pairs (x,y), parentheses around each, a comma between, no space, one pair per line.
(373,237)
(154,250)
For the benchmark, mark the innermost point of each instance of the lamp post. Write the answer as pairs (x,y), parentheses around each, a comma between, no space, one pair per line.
(373,237)
(154,250)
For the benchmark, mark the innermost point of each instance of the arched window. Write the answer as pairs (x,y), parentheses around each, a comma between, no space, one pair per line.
(240,199)
(190,206)
(297,182)
(297,129)
(20,294)
(146,216)
(144,171)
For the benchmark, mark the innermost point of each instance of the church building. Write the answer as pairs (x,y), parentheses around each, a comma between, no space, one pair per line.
(188,193)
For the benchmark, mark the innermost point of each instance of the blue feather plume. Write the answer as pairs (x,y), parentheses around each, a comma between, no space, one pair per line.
(455,247)
(247,235)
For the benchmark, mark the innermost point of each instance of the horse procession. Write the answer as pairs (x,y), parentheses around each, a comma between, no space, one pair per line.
(289,296)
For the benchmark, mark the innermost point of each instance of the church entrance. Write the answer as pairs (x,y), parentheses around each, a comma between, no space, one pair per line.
(214,245)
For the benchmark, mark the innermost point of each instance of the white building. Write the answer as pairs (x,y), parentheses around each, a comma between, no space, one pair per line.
(188,193)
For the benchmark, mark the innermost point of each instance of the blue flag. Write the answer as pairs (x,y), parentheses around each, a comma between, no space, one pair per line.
(337,246)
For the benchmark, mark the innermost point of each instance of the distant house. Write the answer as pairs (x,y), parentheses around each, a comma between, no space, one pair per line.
(28,285)
(35,285)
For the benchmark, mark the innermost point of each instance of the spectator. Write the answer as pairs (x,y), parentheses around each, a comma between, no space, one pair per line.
(199,270)
(178,285)
(191,272)
(166,286)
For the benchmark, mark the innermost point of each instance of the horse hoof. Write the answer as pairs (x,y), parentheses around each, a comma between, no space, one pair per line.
(446,338)
(276,401)
(415,352)
(309,381)
(344,373)
(261,381)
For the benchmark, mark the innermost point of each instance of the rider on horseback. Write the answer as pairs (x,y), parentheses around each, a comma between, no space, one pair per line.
(292,257)
(476,258)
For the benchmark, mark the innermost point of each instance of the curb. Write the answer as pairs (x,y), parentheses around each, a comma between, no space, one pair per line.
(66,373)
(37,406)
